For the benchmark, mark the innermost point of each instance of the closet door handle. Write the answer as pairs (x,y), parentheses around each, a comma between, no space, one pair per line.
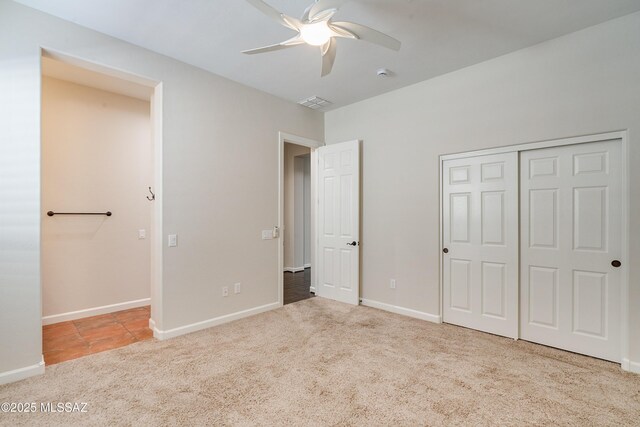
(445,250)
(616,263)
(353,243)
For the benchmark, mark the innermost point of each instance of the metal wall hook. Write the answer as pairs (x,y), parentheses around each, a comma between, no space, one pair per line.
(153,196)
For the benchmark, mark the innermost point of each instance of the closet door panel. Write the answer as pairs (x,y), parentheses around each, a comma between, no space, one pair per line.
(480,238)
(571,232)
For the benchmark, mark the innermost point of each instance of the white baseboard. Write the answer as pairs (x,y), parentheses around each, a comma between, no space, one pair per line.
(293,269)
(630,366)
(307,266)
(95,311)
(402,310)
(22,373)
(312,289)
(187,329)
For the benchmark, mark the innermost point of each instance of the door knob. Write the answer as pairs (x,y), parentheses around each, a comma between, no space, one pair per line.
(353,244)
(616,263)
(445,250)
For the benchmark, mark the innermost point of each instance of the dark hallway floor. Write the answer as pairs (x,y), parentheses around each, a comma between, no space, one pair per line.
(297,286)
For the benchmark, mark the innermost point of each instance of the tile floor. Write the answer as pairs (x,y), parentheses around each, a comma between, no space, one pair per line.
(70,340)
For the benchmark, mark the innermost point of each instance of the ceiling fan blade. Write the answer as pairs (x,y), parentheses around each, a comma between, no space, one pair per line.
(272,13)
(367,34)
(324,15)
(328,56)
(285,44)
(317,10)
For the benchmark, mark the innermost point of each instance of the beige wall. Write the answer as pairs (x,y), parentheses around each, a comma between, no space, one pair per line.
(220,180)
(583,83)
(96,156)
(294,205)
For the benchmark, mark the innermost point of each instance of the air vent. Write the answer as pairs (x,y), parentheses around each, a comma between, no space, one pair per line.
(315,103)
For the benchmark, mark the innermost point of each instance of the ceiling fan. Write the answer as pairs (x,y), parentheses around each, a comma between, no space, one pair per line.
(316,28)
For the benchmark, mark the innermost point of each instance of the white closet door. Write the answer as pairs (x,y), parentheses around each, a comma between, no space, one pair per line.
(339,222)
(571,232)
(480,241)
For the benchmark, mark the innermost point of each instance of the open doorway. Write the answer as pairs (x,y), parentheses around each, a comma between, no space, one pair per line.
(334,218)
(297,217)
(297,223)
(97,196)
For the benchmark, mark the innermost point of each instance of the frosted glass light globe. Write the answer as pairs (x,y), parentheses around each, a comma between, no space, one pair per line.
(316,34)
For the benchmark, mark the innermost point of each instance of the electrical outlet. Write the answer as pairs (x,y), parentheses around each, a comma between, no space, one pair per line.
(225,291)
(236,288)
(392,283)
(142,234)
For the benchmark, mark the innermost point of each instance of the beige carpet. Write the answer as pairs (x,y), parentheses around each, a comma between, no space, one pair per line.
(318,362)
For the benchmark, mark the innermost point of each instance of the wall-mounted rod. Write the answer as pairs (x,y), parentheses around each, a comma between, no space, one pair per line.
(52,213)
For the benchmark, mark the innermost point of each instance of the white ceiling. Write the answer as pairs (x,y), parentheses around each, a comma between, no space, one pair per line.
(438,36)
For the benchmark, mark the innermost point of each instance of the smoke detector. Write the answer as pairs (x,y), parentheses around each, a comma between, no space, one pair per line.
(315,103)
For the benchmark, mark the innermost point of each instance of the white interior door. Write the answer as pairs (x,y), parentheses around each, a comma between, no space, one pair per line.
(571,232)
(339,222)
(480,241)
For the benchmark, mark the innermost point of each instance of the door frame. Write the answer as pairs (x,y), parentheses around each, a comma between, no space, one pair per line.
(156,120)
(623,136)
(313,145)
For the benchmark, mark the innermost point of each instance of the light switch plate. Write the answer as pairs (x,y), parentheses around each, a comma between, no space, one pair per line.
(267,234)
(173,240)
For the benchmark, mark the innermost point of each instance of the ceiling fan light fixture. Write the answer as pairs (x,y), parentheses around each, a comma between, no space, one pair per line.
(317,28)
(316,34)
